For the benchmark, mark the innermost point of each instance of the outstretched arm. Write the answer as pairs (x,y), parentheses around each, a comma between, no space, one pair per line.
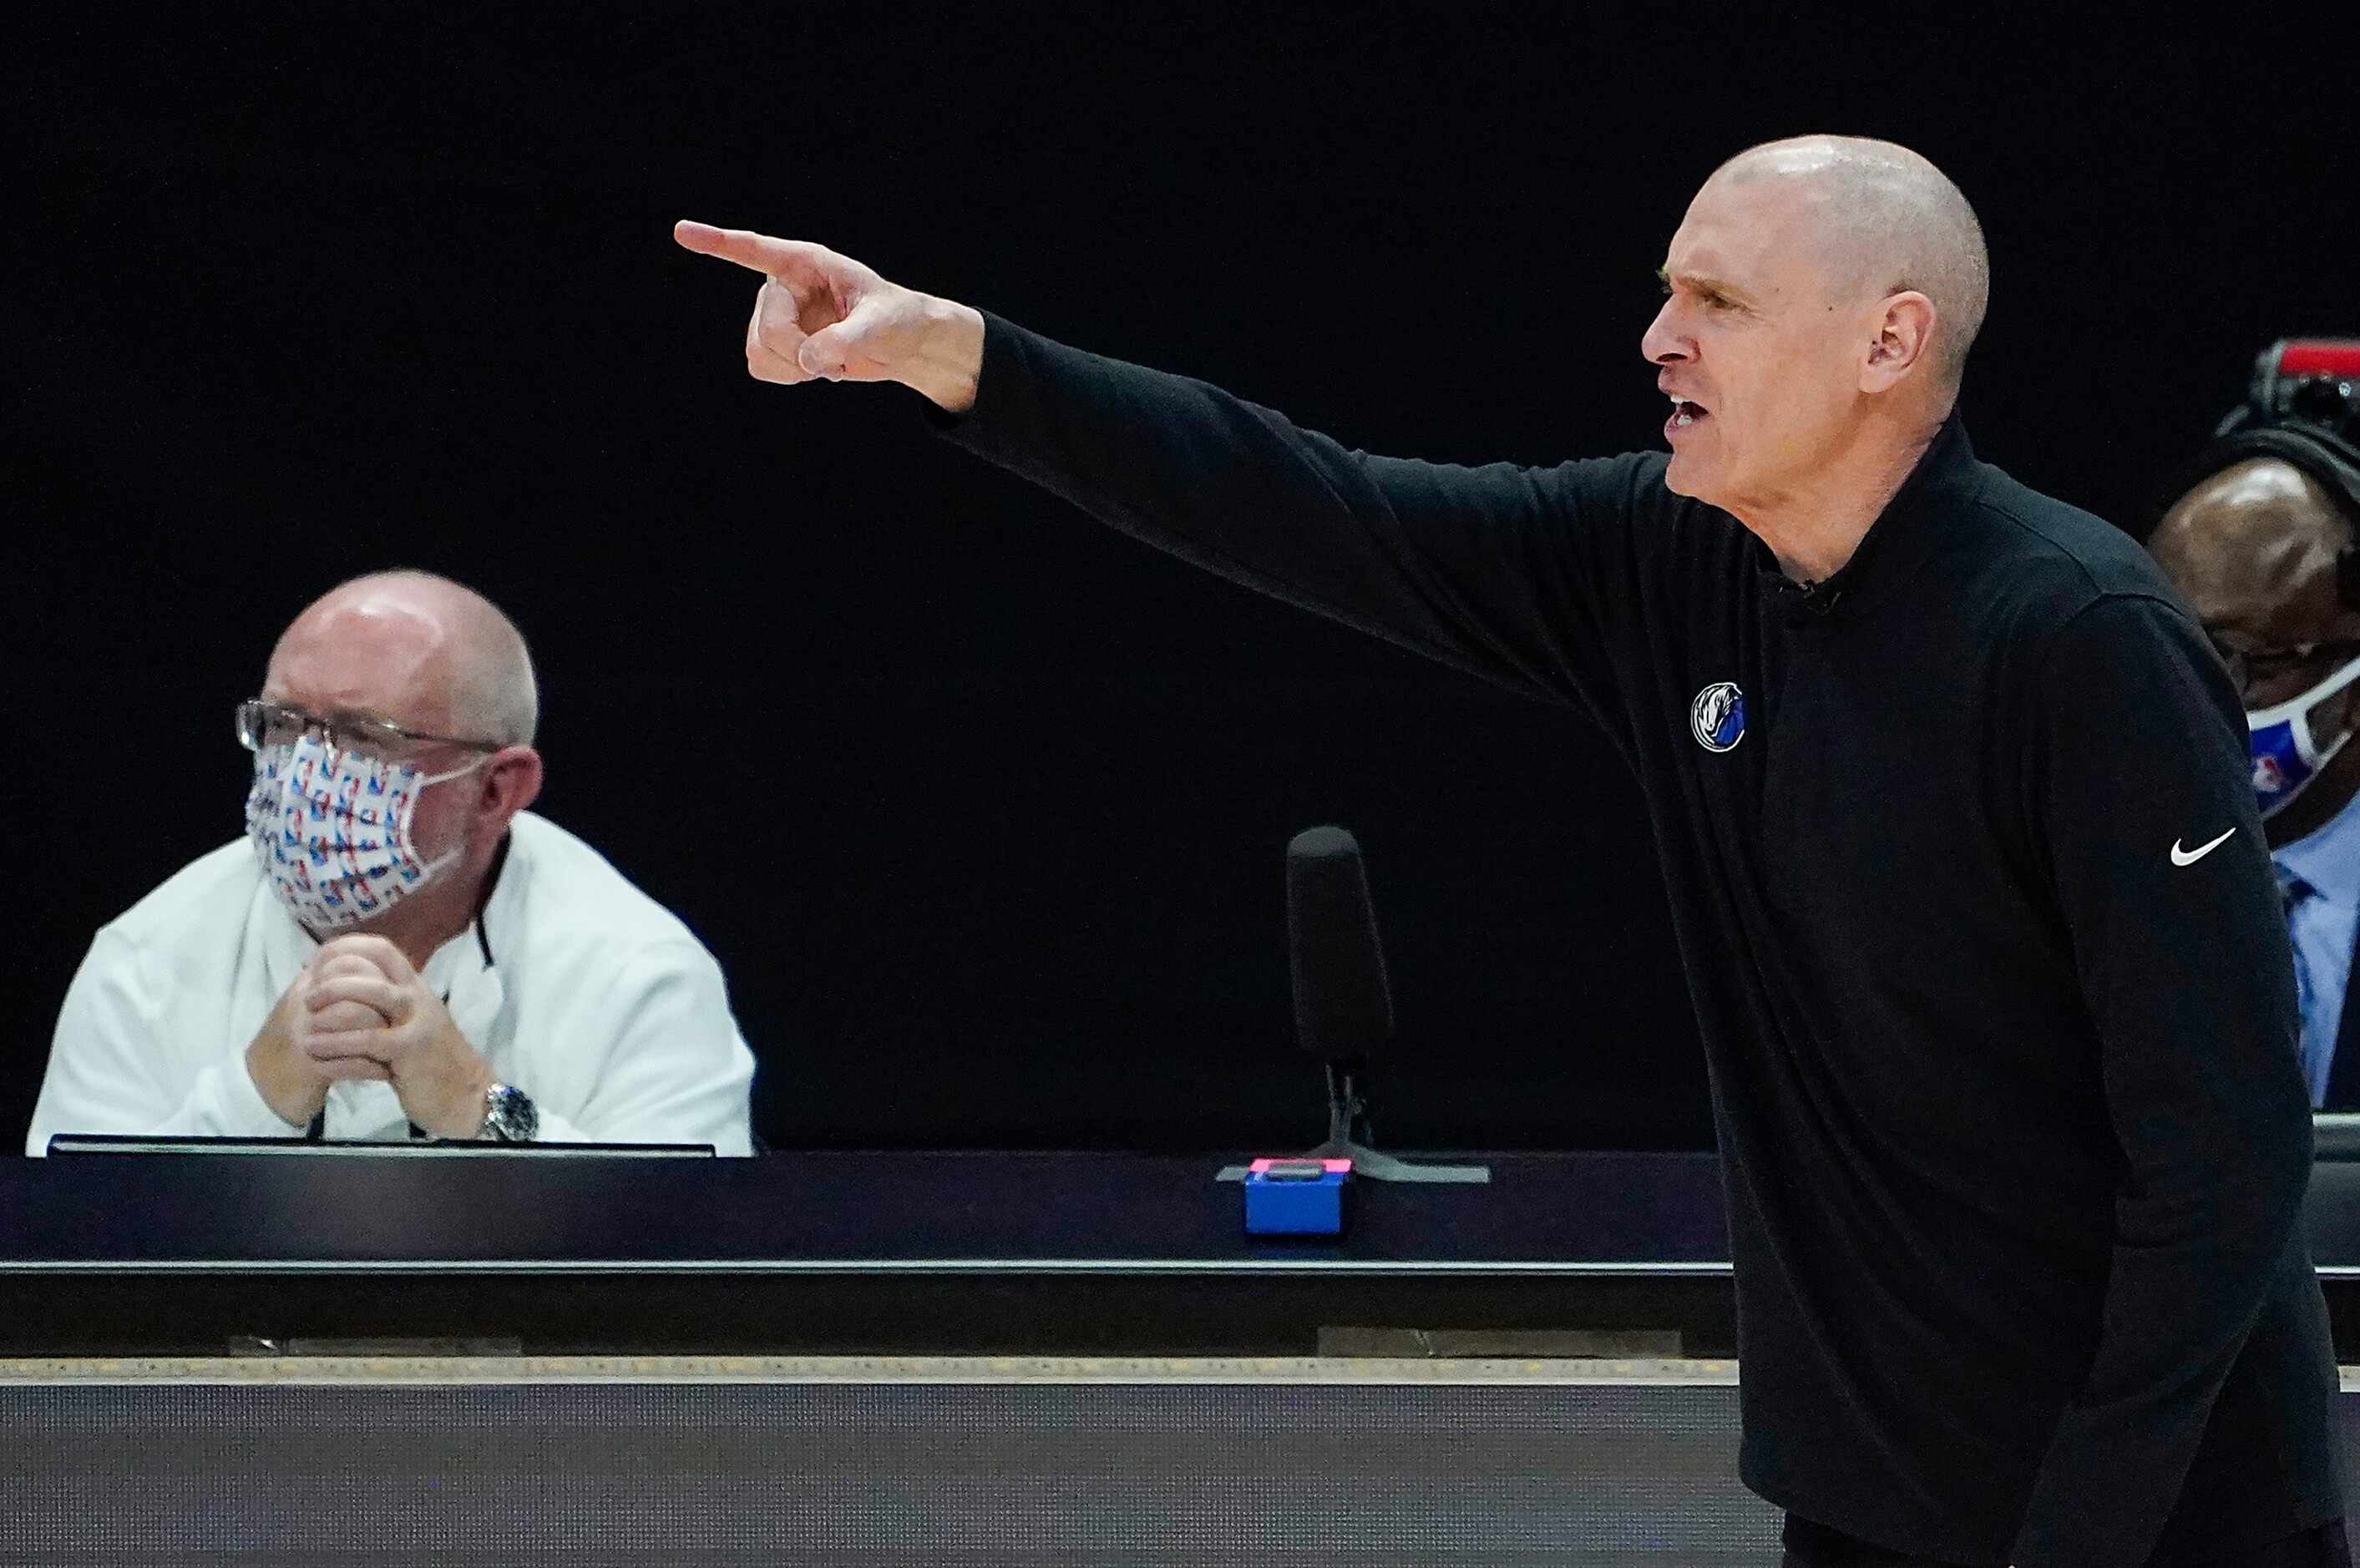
(1536,578)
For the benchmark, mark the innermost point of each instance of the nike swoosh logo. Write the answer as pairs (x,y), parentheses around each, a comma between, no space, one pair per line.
(2191,856)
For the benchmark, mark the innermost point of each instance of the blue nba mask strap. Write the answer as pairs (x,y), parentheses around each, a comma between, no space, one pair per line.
(2286,755)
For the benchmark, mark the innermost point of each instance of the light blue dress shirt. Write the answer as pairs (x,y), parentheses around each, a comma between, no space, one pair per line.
(2322,925)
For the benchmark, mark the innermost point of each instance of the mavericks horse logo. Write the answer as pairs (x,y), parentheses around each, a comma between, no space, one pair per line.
(1717,717)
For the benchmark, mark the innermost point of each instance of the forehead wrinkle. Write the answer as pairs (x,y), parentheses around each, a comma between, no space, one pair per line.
(1685,278)
(461,666)
(370,657)
(1731,232)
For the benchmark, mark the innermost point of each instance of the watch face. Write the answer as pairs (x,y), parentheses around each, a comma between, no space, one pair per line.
(510,1116)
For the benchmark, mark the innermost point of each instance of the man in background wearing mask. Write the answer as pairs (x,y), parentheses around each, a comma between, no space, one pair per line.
(2259,541)
(397,948)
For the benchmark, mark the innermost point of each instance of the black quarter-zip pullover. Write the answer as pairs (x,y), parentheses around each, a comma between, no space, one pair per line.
(2003,1058)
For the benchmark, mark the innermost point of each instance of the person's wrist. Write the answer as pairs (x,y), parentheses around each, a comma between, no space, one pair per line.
(471,1108)
(293,1097)
(950,360)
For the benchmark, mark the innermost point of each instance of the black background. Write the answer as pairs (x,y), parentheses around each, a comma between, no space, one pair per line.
(981,806)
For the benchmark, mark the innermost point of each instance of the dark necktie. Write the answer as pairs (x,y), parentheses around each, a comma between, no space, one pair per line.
(2292,891)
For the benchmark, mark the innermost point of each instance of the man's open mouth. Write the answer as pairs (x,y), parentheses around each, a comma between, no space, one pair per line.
(1684,414)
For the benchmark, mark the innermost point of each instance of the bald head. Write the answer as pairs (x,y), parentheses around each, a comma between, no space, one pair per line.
(2252,550)
(1886,222)
(419,650)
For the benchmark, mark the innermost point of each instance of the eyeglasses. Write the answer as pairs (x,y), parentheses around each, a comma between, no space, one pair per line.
(261,724)
(2252,671)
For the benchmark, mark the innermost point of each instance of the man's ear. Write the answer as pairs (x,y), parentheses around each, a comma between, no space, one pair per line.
(511,782)
(1904,337)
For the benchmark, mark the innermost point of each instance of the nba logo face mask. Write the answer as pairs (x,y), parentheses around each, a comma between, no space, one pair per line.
(2286,755)
(332,831)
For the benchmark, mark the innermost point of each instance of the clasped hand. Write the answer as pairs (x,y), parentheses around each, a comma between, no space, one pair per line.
(365,1013)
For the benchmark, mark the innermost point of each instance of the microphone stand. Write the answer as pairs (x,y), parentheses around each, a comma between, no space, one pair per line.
(1348,1138)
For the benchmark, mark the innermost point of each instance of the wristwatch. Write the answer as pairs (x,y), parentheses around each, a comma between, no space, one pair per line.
(510,1116)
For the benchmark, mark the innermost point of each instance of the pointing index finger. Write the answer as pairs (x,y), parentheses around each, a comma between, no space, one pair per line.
(760,253)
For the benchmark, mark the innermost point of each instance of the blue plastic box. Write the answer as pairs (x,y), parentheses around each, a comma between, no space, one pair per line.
(1296,1197)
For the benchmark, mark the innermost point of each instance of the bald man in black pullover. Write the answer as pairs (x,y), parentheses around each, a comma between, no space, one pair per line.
(1952,804)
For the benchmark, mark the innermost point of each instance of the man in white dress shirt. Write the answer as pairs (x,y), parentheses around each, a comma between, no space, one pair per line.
(397,948)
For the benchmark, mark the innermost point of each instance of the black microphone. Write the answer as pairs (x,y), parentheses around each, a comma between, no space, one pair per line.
(1804,600)
(1343,1008)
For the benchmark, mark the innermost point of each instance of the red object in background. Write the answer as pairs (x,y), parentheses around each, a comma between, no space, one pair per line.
(2320,356)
